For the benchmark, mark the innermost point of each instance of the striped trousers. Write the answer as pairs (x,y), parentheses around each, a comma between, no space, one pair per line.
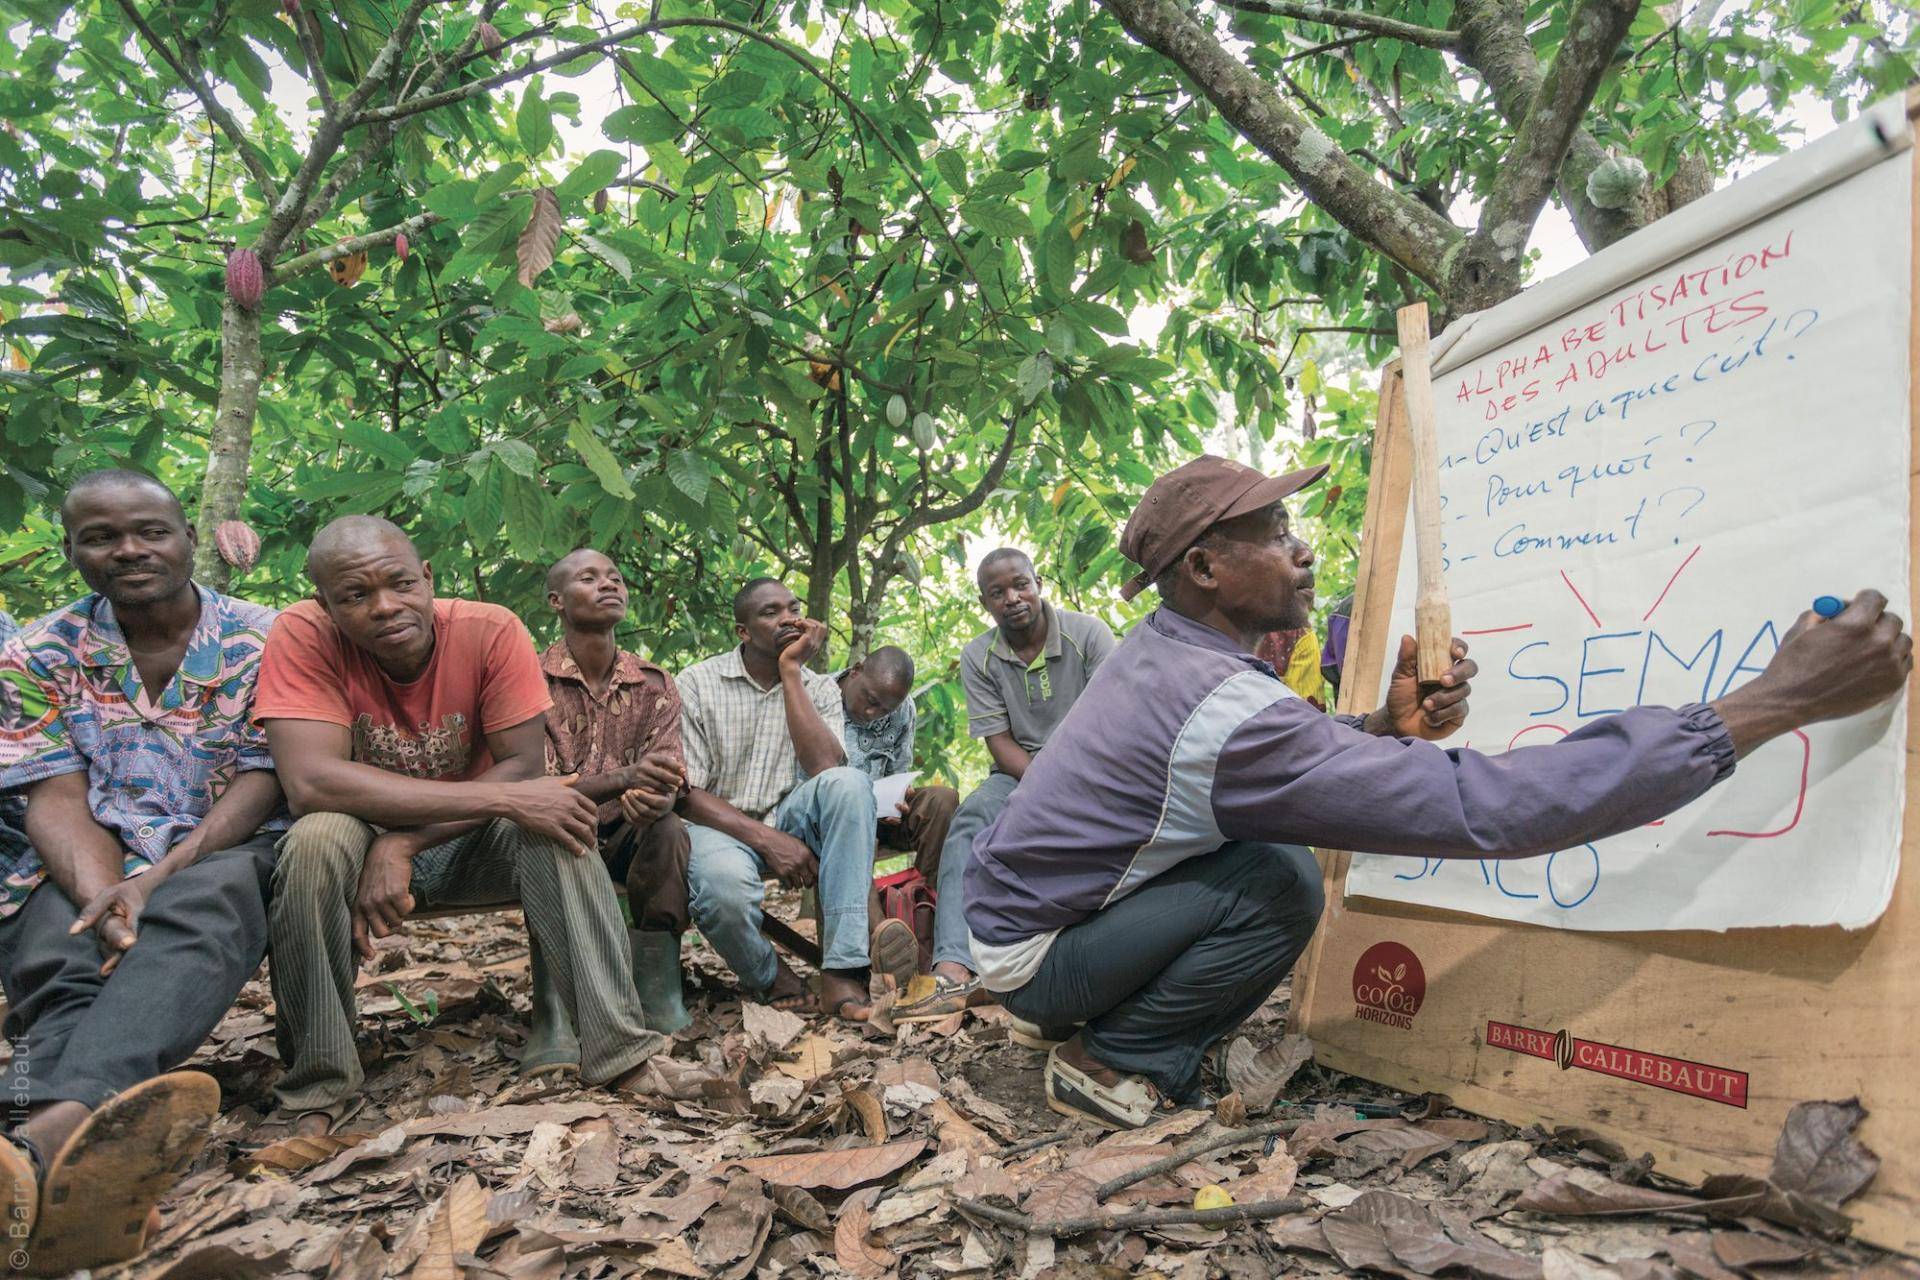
(571,912)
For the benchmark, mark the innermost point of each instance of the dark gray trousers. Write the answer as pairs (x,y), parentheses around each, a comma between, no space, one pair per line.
(79,1037)
(1173,967)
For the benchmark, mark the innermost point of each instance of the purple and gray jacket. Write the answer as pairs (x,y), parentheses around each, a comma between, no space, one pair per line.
(1182,742)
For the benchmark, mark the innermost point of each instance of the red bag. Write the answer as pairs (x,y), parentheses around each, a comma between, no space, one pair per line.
(906,896)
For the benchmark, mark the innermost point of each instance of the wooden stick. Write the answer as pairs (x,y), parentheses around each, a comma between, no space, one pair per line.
(1168,1164)
(1146,1218)
(1432,615)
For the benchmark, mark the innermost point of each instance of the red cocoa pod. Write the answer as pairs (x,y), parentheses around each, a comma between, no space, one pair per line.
(490,37)
(400,246)
(237,543)
(245,279)
(290,7)
(600,200)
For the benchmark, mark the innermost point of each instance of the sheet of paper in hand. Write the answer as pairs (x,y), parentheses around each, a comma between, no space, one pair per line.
(890,792)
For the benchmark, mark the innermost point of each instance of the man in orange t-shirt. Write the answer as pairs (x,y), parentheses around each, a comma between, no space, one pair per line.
(410,735)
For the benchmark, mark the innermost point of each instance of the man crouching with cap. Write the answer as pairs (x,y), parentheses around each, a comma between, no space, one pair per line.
(1149,881)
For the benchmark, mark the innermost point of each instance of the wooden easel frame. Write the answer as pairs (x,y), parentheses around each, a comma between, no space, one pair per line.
(1808,1013)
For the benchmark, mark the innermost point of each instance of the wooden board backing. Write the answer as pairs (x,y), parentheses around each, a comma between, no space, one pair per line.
(1806,1013)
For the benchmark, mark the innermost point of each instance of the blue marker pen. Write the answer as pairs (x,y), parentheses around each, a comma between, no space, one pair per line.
(1829,606)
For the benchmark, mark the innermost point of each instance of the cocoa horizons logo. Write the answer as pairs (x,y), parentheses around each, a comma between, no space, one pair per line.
(1388,985)
(1677,1075)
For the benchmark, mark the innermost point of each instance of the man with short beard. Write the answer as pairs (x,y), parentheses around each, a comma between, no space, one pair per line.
(139,909)
(770,793)
(1150,882)
(615,727)
(1021,678)
(412,732)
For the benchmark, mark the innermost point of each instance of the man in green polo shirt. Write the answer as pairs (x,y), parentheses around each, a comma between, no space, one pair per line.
(1020,678)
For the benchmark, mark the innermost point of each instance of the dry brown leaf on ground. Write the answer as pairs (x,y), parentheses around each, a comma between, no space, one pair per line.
(654,1218)
(1585,1193)
(291,1155)
(1259,1075)
(868,1108)
(1429,1250)
(956,1133)
(596,1161)
(357,1255)
(1819,1157)
(1068,1193)
(732,1235)
(547,1156)
(506,1121)
(1743,1249)
(853,1246)
(1401,1148)
(1230,1112)
(1497,1170)
(771,1027)
(531,1254)
(1733,1195)
(1272,1179)
(907,1071)
(458,1225)
(810,1059)
(382,1146)
(840,1170)
(800,1208)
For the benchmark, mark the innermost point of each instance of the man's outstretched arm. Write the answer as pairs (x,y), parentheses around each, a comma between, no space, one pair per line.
(1286,773)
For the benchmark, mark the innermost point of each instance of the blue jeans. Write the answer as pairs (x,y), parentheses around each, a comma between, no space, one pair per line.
(951,943)
(832,814)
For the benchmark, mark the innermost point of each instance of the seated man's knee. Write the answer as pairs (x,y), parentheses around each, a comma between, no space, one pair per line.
(321,851)
(723,890)
(939,800)
(845,785)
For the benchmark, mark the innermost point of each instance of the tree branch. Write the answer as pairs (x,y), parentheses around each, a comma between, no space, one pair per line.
(310,46)
(971,500)
(1351,20)
(1400,226)
(1532,163)
(283,271)
(249,156)
(291,207)
(350,168)
(1494,43)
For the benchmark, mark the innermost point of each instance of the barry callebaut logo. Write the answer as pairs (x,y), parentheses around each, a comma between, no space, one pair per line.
(1676,1075)
(1388,985)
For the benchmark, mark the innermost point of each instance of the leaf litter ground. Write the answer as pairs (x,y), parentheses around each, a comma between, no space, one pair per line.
(770,1144)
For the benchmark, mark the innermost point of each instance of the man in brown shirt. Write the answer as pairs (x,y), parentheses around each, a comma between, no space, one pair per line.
(615,727)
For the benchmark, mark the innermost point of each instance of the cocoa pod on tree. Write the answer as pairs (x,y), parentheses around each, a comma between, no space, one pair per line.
(346,272)
(246,281)
(490,37)
(237,544)
(400,246)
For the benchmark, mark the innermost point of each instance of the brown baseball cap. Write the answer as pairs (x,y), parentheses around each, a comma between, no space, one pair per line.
(1189,500)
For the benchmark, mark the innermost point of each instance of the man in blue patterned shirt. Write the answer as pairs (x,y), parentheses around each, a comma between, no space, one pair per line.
(878,697)
(138,911)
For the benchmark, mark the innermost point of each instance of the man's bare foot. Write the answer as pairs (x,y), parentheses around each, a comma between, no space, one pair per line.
(788,991)
(844,996)
(1074,1054)
(957,973)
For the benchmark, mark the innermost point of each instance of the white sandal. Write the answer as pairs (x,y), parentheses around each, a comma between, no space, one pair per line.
(1130,1104)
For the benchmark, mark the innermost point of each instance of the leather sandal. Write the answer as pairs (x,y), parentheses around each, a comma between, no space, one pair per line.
(931,997)
(103,1184)
(894,951)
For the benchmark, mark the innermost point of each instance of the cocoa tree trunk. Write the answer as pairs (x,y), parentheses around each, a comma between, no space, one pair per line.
(224,491)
